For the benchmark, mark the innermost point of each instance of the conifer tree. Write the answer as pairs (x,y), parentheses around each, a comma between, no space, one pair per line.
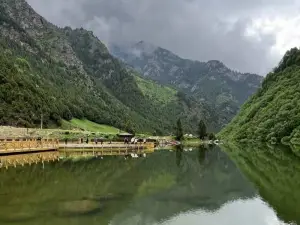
(201,129)
(179,131)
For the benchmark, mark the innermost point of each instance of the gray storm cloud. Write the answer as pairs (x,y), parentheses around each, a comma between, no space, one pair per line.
(195,29)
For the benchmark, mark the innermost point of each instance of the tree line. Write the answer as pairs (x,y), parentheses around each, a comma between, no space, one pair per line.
(201,132)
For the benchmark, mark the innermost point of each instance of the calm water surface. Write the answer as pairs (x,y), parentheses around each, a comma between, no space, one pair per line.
(235,185)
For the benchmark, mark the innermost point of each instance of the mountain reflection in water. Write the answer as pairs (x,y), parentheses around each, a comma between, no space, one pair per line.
(202,186)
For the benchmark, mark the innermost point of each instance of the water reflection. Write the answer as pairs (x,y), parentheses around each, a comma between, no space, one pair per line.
(275,171)
(202,149)
(201,186)
(179,151)
(201,153)
(249,212)
(28,159)
(196,187)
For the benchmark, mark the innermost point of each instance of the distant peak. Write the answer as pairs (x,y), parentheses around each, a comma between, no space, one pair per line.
(144,47)
(216,63)
(144,44)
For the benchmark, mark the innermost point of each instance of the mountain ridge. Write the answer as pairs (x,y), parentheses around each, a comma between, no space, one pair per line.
(142,47)
(71,74)
(210,82)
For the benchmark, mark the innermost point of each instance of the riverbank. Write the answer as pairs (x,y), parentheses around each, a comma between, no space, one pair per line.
(85,129)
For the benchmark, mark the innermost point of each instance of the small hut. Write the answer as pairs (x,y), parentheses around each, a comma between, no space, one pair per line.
(122,136)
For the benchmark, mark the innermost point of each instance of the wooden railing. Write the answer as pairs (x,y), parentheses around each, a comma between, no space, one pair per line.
(27,145)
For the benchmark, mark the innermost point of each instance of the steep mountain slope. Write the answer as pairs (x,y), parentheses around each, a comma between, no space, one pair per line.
(211,82)
(65,74)
(124,84)
(273,113)
(54,73)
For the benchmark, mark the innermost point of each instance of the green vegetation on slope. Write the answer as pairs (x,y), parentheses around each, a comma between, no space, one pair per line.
(273,113)
(31,87)
(93,127)
(220,90)
(23,98)
(159,93)
(161,106)
(68,90)
(64,74)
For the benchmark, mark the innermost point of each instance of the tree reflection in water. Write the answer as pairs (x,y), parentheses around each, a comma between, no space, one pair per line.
(179,150)
(201,154)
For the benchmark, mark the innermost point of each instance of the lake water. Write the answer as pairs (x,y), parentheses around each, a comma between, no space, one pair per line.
(235,185)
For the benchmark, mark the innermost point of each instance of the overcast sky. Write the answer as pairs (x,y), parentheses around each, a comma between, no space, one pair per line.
(247,35)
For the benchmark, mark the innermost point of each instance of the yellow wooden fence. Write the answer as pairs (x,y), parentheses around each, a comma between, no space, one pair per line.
(28,145)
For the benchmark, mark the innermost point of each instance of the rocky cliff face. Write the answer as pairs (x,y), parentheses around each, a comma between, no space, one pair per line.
(40,34)
(211,81)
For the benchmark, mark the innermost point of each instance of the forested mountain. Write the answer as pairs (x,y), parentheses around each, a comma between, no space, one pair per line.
(212,83)
(41,74)
(65,73)
(273,113)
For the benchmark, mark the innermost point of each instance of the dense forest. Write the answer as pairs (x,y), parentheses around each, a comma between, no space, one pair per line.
(30,88)
(62,74)
(273,113)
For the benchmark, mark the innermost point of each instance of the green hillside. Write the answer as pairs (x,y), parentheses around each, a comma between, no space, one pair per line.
(212,83)
(62,74)
(30,88)
(273,113)
(91,126)
(159,93)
